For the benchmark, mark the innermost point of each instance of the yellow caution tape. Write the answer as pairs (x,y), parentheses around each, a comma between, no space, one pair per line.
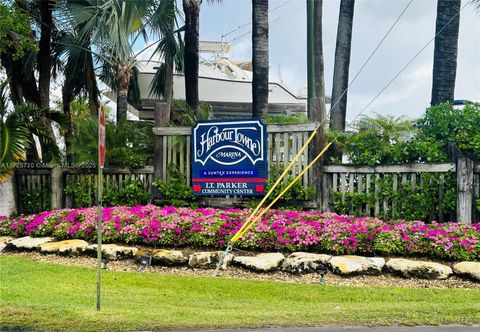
(246,226)
(285,172)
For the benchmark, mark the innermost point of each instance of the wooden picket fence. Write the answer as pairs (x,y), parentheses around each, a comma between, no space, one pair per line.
(52,182)
(357,189)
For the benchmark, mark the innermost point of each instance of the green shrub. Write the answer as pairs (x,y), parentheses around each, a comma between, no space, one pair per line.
(390,140)
(420,203)
(130,193)
(35,200)
(296,193)
(176,190)
(129,143)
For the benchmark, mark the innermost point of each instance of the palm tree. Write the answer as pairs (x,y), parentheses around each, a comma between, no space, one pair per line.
(341,67)
(13,137)
(22,69)
(260,58)
(114,26)
(445,51)
(16,127)
(191,9)
(164,25)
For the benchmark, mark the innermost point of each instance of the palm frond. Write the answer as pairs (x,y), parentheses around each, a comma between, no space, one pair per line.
(157,86)
(13,143)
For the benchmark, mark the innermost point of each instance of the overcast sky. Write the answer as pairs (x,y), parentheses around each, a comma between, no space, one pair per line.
(409,95)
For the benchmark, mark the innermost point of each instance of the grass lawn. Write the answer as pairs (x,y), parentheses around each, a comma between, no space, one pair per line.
(48,296)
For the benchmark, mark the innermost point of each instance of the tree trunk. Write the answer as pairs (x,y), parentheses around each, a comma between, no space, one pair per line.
(67,98)
(191,9)
(7,192)
(91,86)
(260,58)
(23,86)
(445,51)
(341,67)
(122,105)
(14,80)
(123,78)
(168,91)
(44,52)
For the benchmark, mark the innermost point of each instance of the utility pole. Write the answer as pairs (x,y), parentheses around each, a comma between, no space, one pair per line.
(310,48)
(316,89)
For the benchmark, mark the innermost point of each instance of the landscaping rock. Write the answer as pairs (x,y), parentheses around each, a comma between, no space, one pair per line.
(4,240)
(418,269)
(169,257)
(208,260)
(260,263)
(28,243)
(468,269)
(352,265)
(304,262)
(113,251)
(70,247)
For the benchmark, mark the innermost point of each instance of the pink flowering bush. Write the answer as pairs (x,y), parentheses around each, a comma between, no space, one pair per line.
(277,230)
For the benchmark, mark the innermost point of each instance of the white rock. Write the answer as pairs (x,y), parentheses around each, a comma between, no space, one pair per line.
(169,257)
(304,262)
(351,265)
(469,269)
(29,243)
(418,269)
(113,251)
(71,247)
(260,263)
(208,260)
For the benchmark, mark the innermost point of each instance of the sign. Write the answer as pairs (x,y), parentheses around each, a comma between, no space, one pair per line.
(101,136)
(229,158)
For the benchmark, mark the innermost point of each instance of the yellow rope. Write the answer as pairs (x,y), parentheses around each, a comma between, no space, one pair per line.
(278,181)
(246,226)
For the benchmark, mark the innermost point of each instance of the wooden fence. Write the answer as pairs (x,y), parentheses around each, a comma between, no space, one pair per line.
(381,190)
(48,185)
(361,190)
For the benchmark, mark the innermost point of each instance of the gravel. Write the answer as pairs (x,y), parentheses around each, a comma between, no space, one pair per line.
(238,273)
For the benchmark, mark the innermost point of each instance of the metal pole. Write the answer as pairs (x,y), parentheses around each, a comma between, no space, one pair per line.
(99,229)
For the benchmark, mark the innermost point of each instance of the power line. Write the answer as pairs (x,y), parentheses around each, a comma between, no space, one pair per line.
(279,18)
(409,62)
(371,55)
(249,22)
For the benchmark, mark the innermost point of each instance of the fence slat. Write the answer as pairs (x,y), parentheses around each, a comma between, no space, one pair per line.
(270,154)
(189,152)
(276,138)
(351,185)
(395,188)
(359,191)
(377,203)
(335,180)
(294,153)
(164,161)
(385,204)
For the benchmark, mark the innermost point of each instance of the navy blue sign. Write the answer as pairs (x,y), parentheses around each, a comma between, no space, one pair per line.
(229,158)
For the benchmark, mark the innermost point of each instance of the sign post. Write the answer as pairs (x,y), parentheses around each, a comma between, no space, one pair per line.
(229,158)
(101,163)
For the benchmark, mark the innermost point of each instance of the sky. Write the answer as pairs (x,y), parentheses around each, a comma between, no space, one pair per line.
(408,95)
